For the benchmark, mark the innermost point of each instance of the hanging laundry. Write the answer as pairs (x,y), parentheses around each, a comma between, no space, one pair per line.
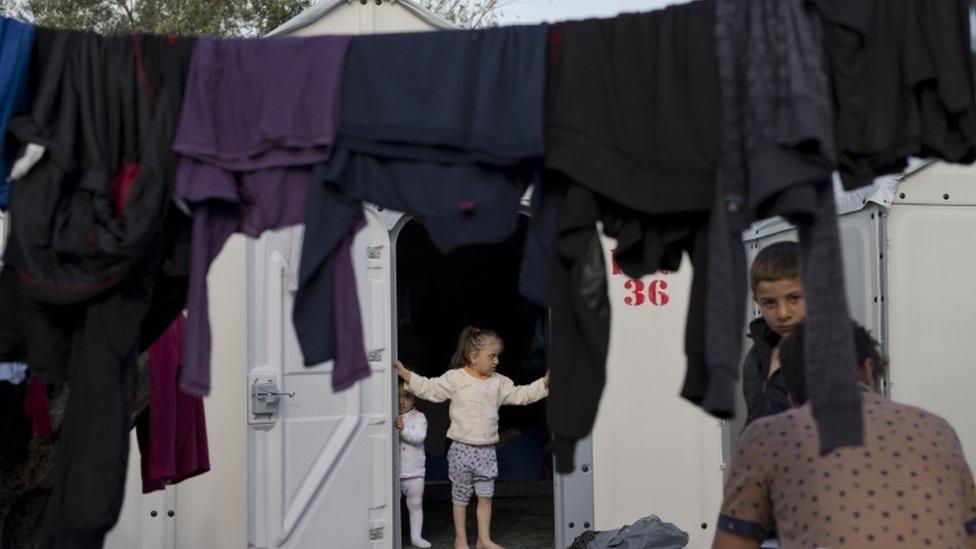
(88,246)
(37,408)
(631,141)
(13,372)
(31,415)
(173,433)
(16,40)
(33,408)
(27,473)
(342,330)
(15,428)
(350,358)
(100,370)
(444,126)
(258,114)
(163,69)
(539,239)
(84,249)
(902,83)
(13,347)
(778,161)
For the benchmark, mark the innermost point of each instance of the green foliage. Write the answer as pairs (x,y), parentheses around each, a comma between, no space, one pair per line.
(187,17)
(208,17)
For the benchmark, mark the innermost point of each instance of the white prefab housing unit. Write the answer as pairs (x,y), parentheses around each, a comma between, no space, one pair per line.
(909,249)
(320,471)
(323,466)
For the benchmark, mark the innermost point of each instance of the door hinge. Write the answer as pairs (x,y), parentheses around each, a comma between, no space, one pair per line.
(376,533)
(374,252)
(375,356)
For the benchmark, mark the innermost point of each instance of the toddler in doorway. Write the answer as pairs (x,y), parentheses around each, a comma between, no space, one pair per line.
(412,424)
(476,392)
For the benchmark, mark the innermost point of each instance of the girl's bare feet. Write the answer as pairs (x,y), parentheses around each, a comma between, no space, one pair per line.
(488,545)
(461,545)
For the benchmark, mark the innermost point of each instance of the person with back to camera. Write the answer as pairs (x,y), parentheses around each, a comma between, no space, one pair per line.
(909,485)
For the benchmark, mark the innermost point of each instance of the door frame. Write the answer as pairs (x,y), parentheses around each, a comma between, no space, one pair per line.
(573,501)
(258,259)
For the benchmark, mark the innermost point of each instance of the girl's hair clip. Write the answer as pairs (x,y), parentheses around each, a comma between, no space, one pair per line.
(475,330)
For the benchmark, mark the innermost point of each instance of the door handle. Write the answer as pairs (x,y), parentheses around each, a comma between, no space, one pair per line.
(265,398)
(262,392)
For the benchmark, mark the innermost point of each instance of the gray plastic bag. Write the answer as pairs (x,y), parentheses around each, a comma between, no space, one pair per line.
(647,533)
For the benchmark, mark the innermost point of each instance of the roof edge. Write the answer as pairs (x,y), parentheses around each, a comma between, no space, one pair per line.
(434,19)
(323,8)
(309,15)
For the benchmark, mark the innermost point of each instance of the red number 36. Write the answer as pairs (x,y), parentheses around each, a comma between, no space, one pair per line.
(652,293)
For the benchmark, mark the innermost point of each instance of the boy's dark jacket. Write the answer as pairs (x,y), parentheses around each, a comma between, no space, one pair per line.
(762,398)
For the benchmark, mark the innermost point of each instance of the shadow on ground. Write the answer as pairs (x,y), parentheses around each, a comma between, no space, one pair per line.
(517,523)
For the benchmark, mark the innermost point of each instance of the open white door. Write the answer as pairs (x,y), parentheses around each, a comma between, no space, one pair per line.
(319,466)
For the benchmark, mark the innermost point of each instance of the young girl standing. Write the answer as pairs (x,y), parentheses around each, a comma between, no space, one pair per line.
(476,392)
(412,424)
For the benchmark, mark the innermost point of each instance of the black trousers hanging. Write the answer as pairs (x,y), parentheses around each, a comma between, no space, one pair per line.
(89,476)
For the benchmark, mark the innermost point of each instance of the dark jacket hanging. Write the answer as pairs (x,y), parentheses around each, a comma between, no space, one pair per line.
(902,83)
(88,246)
(632,142)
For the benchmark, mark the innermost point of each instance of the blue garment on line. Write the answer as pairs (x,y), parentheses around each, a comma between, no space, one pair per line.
(16,41)
(13,372)
(445,126)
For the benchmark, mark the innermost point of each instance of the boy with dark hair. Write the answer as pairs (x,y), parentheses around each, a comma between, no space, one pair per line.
(777,289)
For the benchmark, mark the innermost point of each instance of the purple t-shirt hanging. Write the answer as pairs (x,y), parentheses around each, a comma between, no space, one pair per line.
(257,114)
(173,443)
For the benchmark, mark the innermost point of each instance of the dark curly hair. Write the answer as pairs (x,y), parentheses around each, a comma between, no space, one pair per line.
(791,357)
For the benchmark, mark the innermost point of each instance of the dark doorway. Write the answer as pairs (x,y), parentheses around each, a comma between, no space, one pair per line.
(437,295)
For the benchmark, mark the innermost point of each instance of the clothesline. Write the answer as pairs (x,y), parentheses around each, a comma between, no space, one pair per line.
(675,129)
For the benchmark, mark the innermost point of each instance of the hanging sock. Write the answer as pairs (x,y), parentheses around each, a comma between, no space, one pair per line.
(36,407)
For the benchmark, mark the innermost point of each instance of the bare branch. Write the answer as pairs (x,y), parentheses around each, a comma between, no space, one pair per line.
(124,4)
(468,13)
